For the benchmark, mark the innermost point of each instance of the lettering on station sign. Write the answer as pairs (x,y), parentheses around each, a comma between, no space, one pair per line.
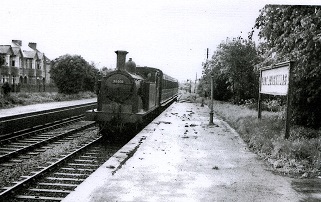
(281,79)
(275,81)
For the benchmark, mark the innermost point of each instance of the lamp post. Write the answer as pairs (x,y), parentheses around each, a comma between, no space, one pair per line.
(212,95)
(212,91)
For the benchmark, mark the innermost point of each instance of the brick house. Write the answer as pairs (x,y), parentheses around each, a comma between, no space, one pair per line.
(24,67)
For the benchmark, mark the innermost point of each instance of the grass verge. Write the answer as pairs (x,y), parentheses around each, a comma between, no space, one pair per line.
(297,156)
(18,99)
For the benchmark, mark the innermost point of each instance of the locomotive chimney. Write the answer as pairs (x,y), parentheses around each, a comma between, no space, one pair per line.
(121,59)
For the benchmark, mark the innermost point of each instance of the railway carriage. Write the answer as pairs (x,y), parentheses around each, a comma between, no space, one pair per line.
(126,96)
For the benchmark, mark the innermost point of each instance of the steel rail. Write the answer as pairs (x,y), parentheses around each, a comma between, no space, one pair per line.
(12,124)
(10,191)
(37,129)
(29,147)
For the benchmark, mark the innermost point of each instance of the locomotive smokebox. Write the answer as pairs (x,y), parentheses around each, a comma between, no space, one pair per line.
(121,59)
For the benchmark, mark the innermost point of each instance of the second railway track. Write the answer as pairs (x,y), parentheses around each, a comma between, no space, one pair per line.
(35,139)
(55,179)
(15,124)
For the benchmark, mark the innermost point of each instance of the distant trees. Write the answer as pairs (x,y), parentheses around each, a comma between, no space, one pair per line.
(294,33)
(73,74)
(233,68)
(287,33)
(105,70)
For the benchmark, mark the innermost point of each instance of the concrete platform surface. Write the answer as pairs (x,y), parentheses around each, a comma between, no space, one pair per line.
(43,106)
(178,157)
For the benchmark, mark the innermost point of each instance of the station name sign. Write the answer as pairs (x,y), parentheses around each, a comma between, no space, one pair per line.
(275,80)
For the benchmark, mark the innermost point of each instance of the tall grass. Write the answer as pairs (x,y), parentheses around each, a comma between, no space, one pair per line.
(300,154)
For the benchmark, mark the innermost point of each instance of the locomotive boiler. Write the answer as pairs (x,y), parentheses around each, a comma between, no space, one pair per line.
(128,95)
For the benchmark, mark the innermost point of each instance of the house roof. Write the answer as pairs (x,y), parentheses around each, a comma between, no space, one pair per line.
(30,54)
(18,48)
(6,49)
(17,51)
(40,55)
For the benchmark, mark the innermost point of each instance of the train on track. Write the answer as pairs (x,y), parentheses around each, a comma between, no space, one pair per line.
(130,94)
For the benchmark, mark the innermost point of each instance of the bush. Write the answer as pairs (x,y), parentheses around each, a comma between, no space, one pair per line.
(6,88)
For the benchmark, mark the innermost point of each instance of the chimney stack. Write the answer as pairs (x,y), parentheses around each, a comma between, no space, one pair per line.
(17,42)
(33,45)
(121,59)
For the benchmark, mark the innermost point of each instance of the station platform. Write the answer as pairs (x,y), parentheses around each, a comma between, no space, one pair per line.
(179,157)
(43,106)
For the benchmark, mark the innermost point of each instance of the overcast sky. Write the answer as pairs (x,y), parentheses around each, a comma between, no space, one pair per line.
(172,35)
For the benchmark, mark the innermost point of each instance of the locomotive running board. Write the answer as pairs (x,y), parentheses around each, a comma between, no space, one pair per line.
(169,100)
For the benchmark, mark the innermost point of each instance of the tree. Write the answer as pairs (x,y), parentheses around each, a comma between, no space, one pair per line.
(294,33)
(105,70)
(233,69)
(73,74)
(90,77)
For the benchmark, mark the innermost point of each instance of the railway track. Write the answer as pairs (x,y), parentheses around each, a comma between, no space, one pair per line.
(5,139)
(55,181)
(15,125)
(9,192)
(26,142)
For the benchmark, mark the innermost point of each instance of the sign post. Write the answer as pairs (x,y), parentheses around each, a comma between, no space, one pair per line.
(276,80)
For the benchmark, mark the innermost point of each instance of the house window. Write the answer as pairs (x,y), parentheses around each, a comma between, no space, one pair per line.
(4,59)
(29,64)
(5,79)
(13,63)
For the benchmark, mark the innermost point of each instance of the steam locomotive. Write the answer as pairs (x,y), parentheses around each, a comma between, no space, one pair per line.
(126,96)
